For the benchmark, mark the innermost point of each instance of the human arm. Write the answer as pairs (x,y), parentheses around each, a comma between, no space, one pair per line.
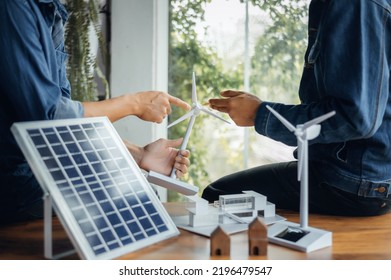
(151,106)
(161,156)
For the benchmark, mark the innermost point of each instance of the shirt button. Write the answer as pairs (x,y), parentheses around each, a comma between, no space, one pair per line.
(381,189)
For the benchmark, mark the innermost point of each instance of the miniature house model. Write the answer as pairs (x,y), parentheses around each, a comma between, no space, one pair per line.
(234,208)
(220,243)
(257,238)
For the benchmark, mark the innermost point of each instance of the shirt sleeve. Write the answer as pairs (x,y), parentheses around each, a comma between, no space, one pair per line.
(67,109)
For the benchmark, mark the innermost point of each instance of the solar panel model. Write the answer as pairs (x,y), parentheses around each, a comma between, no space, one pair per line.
(100,195)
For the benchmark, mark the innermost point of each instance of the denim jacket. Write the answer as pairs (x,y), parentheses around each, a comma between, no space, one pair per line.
(347,69)
(33,82)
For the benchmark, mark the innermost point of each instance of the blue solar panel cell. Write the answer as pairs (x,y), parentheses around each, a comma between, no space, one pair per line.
(94,240)
(131,199)
(85,170)
(66,137)
(138,211)
(106,207)
(113,246)
(93,210)
(150,208)
(79,214)
(48,130)
(57,175)
(59,150)
(100,195)
(38,140)
(66,191)
(79,135)
(139,236)
(126,215)
(86,226)
(72,172)
(163,228)
(65,161)
(72,201)
(145,223)
(53,138)
(101,223)
(51,163)
(134,227)
(157,220)
(97,144)
(86,198)
(151,232)
(119,203)
(108,235)
(44,152)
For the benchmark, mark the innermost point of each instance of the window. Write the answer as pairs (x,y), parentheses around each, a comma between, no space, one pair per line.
(255,46)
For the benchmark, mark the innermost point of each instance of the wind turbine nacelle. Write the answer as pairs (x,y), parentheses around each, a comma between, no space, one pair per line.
(313,131)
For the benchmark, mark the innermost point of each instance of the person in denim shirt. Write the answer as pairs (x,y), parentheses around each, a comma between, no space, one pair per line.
(34,86)
(347,70)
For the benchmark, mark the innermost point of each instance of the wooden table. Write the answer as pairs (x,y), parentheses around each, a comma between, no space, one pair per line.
(361,238)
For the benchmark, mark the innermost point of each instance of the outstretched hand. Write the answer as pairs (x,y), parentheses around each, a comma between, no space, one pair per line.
(240,106)
(161,156)
(154,106)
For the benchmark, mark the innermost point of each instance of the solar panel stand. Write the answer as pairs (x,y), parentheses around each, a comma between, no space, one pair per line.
(48,229)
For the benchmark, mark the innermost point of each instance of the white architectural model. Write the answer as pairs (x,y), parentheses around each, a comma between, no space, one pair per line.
(232,212)
(234,208)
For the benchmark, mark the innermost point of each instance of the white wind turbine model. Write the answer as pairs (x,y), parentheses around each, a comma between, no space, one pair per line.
(171,182)
(301,237)
(196,109)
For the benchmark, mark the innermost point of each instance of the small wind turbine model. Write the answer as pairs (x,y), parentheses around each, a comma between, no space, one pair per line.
(171,182)
(196,109)
(301,237)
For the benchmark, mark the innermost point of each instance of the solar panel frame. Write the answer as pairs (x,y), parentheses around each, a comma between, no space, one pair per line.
(94,176)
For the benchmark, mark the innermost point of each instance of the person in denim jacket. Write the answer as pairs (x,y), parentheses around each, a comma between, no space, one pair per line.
(34,86)
(347,70)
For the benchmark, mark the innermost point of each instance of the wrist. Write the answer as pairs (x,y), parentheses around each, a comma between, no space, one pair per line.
(136,152)
(134,101)
(130,104)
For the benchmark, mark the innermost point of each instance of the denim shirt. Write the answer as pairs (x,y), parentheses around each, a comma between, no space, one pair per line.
(33,82)
(347,69)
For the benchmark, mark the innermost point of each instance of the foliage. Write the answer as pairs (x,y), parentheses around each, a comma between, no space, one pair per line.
(278,57)
(276,69)
(187,55)
(81,67)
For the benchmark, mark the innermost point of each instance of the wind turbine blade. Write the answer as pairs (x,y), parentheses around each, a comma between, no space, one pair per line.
(185,116)
(282,119)
(213,114)
(300,158)
(193,90)
(318,120)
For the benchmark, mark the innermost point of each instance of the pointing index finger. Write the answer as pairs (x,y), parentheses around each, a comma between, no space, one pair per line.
(178,102)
